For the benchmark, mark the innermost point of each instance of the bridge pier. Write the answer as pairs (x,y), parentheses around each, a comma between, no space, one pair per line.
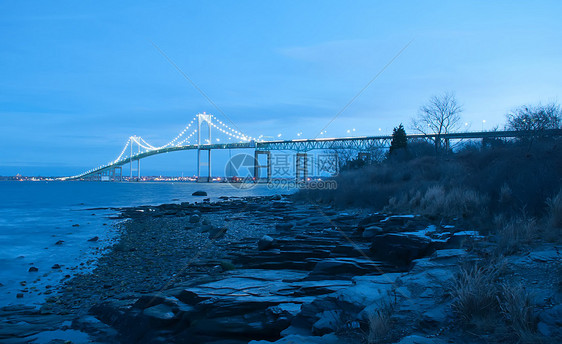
(301,166)
(208,178)
(258,167)
(116,177)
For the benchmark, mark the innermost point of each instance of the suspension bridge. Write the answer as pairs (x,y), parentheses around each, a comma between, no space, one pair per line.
(191,138)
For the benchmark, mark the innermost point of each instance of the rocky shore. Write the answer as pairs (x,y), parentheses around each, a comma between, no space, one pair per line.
(267,269)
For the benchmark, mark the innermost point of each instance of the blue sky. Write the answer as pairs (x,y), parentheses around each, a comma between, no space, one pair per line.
(79,78)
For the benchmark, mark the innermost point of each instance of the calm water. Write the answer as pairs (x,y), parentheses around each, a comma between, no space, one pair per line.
(34,216)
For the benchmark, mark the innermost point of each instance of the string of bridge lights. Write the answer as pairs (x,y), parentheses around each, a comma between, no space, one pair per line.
(232,132)
(185,140)
(142,143)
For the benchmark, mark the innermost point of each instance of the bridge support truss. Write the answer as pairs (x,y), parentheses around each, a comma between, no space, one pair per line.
(258,167)
(301,166)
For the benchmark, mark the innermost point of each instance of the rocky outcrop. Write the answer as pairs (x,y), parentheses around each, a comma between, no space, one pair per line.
(277,272)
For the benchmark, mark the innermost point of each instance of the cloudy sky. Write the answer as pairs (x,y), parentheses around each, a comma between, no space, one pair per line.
(79,78)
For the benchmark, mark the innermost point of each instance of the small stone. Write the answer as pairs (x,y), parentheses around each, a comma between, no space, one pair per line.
(33,269)
(94,239)
(194,218)
(59,242)
(75,225)
(56,266)
(265,243)
(19,295)
(199,193)
(217,233)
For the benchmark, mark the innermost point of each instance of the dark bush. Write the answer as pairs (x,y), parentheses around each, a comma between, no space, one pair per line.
(496,179)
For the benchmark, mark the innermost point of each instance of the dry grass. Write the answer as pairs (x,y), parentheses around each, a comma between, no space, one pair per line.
(518,310)
(474,293)
(438,202)
(555,210)
(380,323)
(516,234)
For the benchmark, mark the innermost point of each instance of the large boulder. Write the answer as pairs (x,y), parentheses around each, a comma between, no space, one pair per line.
(400,248)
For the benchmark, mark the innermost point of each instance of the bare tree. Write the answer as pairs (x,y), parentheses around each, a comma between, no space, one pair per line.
(535,117)
(441,115)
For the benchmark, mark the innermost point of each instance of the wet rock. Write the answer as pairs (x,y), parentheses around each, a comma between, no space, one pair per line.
(284,226)
(19,295)
(93,239)
(458,239)
(56,266)
(75,225)
(216,233)
(276,197)
(199,193)
(373,219)
(33,269)
(416,339)
(93,326)
(550,322)
(329,322)
(206,228)
(372,231)
(59,242)
(265,243)
(400,249)
(160,315)
(194,218)
(336,267)
(302,339)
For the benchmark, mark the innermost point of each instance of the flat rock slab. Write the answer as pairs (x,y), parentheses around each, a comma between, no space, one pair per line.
(294,339)
(415,339)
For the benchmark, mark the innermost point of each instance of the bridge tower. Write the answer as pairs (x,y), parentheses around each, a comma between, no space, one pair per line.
(203,118)
(134,139)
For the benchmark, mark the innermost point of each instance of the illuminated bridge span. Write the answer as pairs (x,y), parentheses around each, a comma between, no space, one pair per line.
(190,138)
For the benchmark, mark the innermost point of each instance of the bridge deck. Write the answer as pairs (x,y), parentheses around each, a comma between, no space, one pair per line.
(304,145)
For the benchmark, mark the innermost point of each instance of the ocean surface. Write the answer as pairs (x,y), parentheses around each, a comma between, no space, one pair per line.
(48,223)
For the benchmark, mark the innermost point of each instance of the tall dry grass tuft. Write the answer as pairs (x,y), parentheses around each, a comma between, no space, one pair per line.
(380,323)
(515,234)
(518,310)
(474,293)
(555,210)
(439,202)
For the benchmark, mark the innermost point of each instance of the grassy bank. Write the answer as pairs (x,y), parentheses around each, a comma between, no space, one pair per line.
(478,183)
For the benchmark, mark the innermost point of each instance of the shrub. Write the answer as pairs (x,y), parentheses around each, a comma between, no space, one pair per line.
(518,310)
(515,234)
(555,210)
(380,323)
(474,293)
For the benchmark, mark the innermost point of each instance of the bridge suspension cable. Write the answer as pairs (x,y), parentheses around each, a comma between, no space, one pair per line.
(230,131)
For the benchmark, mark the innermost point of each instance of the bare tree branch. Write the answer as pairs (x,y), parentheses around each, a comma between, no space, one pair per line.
(441,115)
